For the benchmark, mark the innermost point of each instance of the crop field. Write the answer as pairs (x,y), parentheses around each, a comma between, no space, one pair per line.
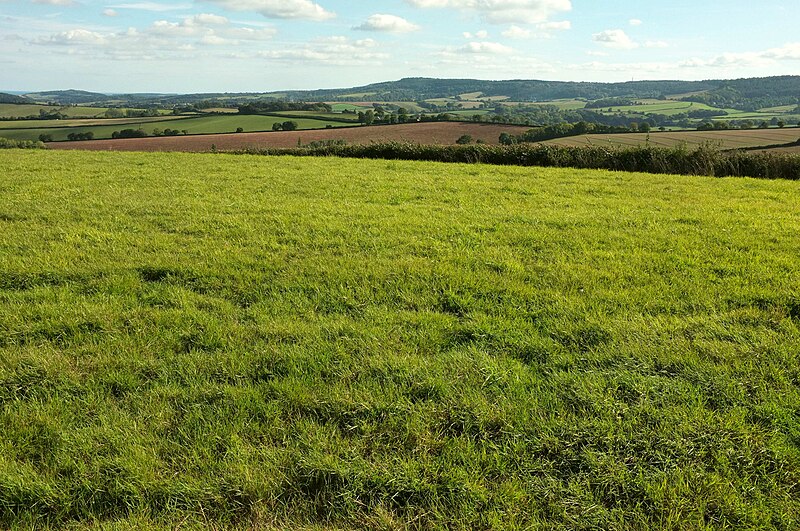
(441,133)
(730,139)
(667,108)
(220,341)
(195,125)
(59,124)
(8,110)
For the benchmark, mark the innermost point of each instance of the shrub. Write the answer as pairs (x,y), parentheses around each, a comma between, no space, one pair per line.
(8,143)
(464,140)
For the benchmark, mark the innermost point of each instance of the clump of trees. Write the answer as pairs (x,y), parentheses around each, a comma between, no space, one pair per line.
(288,125)
(129,133)
(562,130)
(260,107)
(88,135)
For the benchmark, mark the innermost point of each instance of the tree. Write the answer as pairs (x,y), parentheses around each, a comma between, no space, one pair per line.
(644,127)
(464,139)
(506,139)
(277,127)
(369,117)
(781,124)
(45,138)
(289,126)
(402,115)
(239,130)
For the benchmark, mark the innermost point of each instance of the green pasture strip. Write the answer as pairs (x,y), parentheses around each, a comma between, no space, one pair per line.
(87,122)
(231,341)
(194,125)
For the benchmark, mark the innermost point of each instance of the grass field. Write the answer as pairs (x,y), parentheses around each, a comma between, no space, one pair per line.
(194,126)
(9,110)
(82,122)
(731,139)
(207,341)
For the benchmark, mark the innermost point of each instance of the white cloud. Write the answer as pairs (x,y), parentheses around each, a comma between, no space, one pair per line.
(788,52)
(296,9)
(388,24)
(330,51)
(62,3)
(515,32)
(563,25)
(161,40)
(503,11)
(482,34)
(615,39)
(109,13)
(76,36)
(492,48)
(151,6)
(635,22)
(656,44)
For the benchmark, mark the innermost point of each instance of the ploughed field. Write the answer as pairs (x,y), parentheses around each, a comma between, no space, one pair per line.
(443,133)
(215,341)
(727,139)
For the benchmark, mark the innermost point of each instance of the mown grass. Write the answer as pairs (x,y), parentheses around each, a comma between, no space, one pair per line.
(247,341)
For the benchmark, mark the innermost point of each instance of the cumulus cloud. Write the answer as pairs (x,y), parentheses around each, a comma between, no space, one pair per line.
(388,24)
(330,51)
(615,39)
(289,9)
(109,13)
(161,40)
(492,48)
(61,3)
(515,32)
(151,6)
(635,22)
(787,52)
(503,11)
(482,34)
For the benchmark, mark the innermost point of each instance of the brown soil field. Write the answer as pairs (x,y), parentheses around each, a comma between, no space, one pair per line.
(732,139)
(442,133)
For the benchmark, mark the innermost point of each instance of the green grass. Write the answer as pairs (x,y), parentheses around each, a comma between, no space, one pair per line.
(199,341)
(194,126)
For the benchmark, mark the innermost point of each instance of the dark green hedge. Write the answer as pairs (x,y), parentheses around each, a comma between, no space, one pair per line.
(703,160)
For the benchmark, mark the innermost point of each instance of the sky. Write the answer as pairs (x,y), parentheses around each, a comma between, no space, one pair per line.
(268,45)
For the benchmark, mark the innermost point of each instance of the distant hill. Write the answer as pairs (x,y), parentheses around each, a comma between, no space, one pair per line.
(11,98)
(417,89)
(67,97)
(744,94)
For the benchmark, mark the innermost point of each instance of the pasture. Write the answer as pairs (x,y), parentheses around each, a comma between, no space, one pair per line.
(218,341)
(194,125)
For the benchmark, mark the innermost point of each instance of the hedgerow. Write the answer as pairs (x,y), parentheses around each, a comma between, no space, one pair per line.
(703,160)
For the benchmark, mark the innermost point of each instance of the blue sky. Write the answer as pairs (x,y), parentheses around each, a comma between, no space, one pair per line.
(262,45)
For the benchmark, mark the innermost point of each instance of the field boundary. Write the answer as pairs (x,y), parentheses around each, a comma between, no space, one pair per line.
(646,159)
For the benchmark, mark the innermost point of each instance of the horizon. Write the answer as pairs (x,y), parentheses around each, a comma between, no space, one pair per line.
(156,92)
(209,46)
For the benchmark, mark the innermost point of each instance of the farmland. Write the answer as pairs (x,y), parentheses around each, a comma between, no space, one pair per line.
(424,133)
(207,341)
(194,125)
(731,139)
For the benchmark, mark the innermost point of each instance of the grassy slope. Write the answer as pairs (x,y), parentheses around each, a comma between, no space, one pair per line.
(199,125)
(250,340)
